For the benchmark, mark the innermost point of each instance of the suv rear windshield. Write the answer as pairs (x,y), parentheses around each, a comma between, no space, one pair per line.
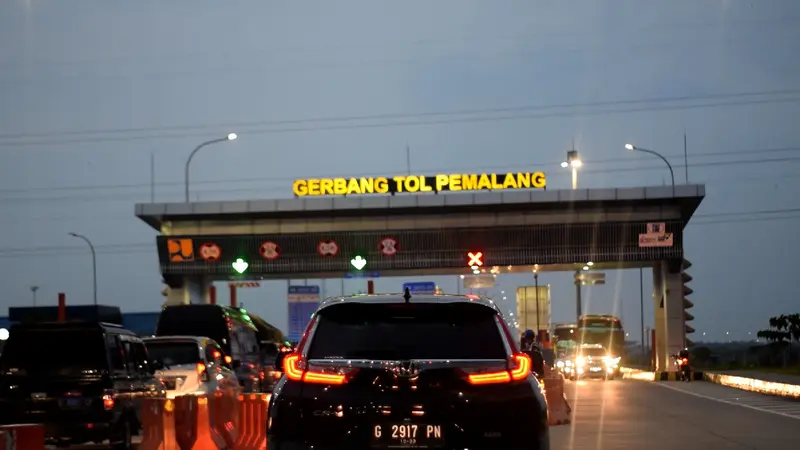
(413,331)
(173,353)
(57,352)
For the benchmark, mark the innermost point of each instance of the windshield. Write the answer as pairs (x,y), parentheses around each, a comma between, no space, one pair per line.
(173,353)
(421,331)
(54,352)
(594,352)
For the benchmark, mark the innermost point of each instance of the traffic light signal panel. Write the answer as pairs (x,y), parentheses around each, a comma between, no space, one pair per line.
(685,277)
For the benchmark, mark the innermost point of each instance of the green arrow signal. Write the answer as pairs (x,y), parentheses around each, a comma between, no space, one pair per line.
(358,262)
(240,265)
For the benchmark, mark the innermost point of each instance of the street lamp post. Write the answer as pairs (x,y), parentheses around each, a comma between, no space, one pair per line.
(94,262)
(573,161)
(33,291)
(229,137)
(632,147)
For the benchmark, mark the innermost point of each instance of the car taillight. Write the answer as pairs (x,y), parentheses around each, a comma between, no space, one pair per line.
(108,401)
(685,361)
(202,371)
(298,370)
(519,369)
(228,359)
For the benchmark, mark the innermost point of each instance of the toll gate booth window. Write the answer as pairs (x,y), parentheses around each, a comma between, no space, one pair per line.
(54,352)
(421,331)
(174,353)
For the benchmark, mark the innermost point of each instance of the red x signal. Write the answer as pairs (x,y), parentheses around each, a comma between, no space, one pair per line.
(475,259)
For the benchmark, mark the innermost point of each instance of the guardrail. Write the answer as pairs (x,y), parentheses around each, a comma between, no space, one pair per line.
(744,383)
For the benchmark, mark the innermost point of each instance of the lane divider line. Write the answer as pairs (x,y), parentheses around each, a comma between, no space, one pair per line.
(727,402)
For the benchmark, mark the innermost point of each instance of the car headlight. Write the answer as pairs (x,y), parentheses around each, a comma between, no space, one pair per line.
(581,361)
(568,363)
(559,364)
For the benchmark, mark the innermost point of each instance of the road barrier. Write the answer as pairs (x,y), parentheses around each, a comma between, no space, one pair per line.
(754,385)
(558,410)
(193,422)
(22,437)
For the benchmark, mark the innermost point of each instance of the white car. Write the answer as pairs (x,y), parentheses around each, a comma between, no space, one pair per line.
(190,365)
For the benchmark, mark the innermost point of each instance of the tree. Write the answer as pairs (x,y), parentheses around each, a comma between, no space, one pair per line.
(782,331)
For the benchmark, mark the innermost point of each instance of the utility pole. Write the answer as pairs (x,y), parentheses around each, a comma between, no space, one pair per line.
(152,177)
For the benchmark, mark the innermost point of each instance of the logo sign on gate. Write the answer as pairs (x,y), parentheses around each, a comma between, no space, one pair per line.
(656,236)
(303,301)
(420,287)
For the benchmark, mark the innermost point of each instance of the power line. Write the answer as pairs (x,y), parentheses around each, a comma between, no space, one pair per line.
(750,216)
(590,163)
(393,116)
(446,121)
(518,167)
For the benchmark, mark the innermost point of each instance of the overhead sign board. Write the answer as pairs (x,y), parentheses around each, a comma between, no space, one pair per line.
(656,240)
(421,287)
(479,282)
(317,187)
(590,276)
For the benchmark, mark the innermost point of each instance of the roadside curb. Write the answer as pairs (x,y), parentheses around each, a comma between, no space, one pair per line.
(746,384)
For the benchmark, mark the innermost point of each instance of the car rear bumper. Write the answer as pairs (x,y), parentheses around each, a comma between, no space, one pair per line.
(539,442)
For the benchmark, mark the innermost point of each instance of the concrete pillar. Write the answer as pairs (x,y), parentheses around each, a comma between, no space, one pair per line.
(674,312)
(669,314)
(659,322)
(193,290)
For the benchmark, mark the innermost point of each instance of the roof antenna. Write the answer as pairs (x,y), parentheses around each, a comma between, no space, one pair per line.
(407,295)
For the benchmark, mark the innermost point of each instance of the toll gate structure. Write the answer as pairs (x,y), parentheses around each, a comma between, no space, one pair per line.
(433,234)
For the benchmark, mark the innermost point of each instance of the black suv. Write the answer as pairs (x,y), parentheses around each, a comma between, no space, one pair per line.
(83,381)
(396,371)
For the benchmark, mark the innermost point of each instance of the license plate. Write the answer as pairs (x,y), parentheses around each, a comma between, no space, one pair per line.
(73,402)
(407,435)
(595,369)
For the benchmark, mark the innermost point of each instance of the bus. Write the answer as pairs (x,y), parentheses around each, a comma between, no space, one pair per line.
(603,329)
(564,337)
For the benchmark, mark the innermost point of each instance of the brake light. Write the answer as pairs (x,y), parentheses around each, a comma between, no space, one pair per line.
(296,370)
(685,361)
(108,402)
(228,359)
(519,369)
(216,354)
(201,368)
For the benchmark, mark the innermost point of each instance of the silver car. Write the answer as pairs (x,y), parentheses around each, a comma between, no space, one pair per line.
(190,365)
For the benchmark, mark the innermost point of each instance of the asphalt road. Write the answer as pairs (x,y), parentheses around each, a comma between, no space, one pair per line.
(670,415)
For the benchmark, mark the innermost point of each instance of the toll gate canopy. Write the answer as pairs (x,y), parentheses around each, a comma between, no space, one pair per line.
(399,235)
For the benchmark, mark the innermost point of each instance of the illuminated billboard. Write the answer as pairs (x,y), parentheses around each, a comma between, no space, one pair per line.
(316,187)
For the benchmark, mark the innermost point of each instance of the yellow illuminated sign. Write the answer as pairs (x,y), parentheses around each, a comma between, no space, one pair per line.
(315,187)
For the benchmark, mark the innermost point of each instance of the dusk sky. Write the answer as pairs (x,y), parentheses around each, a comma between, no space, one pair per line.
(90,89)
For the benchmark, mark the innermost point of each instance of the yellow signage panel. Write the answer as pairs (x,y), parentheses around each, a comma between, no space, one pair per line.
(316,187)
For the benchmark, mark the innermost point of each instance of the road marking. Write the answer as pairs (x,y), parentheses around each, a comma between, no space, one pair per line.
(746,396)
